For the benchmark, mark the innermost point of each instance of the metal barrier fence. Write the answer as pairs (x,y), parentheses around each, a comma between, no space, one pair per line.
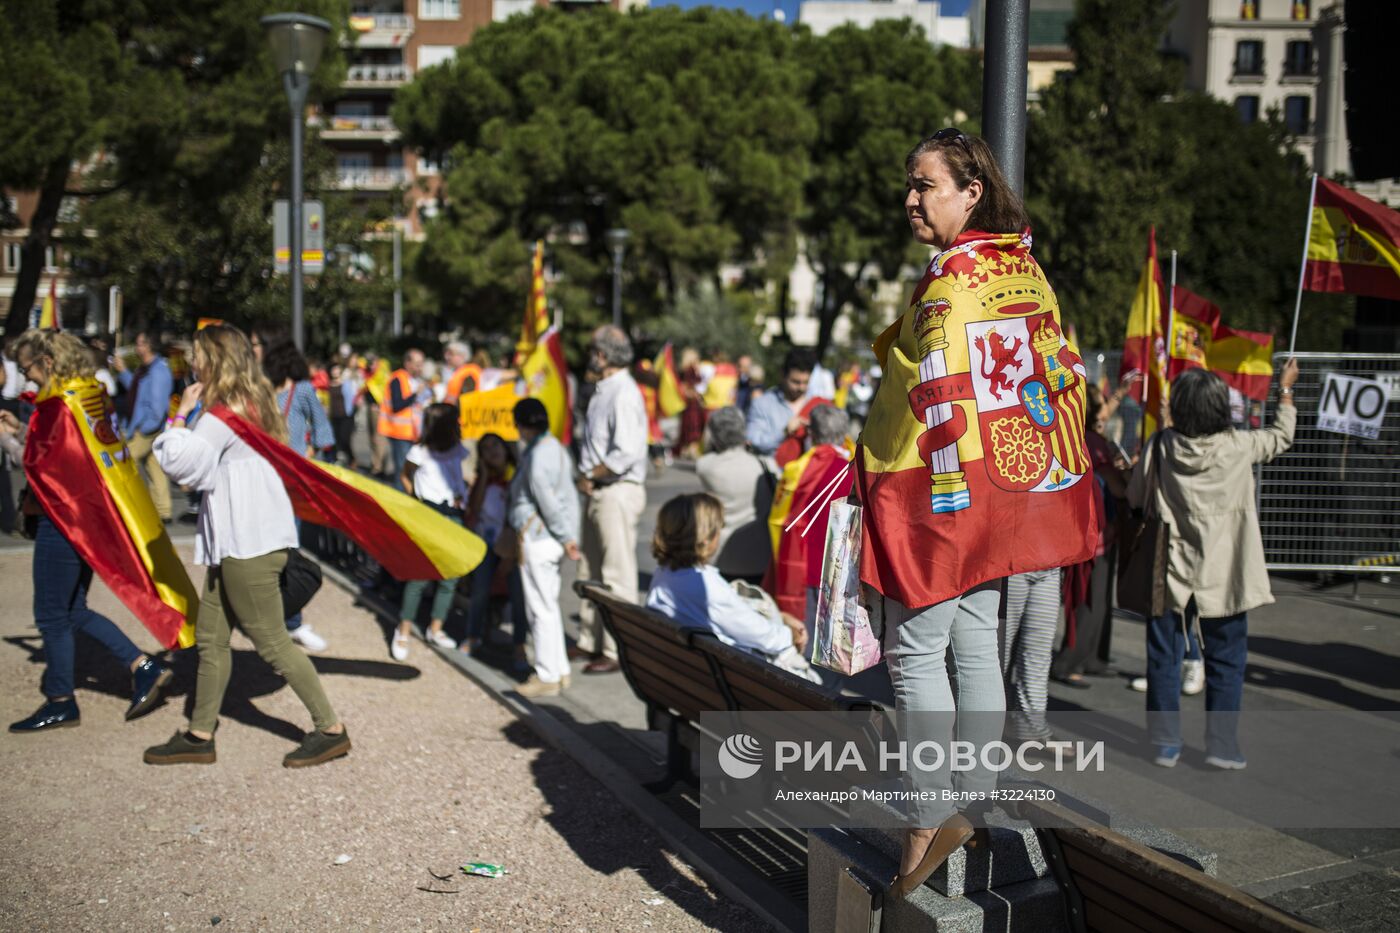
(1332,502)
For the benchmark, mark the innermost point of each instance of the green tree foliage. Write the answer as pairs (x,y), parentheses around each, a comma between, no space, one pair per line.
(1118,146)
(687,128)
(176,115)
(874,93)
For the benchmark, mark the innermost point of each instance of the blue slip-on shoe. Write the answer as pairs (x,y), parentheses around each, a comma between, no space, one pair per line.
(146,683)
(1167,756)
(56,714)
(1226,764)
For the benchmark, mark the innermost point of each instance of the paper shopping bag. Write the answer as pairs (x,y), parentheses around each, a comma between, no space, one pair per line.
(843,640)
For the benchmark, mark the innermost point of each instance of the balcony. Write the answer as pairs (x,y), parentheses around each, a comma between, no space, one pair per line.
(380,30)
(368,77)
(370,179)
(337,127)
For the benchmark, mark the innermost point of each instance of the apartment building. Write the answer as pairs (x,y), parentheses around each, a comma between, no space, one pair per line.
(1261,55)
(17,207)
(1047,52)
(389,42)
(822,16)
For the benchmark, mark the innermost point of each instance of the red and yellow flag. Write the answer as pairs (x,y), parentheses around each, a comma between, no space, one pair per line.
(409,539)
(808,486)
(536,320)
(723,383)
(546,378)
(973,464)
(50,318)
(1243,358)
(89,487)
(1354,245)
(377,382)
(1144,348)
(668,391)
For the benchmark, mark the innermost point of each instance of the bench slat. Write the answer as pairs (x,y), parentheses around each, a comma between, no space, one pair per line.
(676,695)
(1127,896)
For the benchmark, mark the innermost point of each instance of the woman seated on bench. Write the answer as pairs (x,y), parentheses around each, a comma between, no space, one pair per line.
(689,589)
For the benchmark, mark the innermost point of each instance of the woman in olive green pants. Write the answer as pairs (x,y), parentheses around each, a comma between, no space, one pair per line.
(245,530)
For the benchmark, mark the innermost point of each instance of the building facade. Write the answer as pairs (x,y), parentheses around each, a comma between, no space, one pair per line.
(822,16)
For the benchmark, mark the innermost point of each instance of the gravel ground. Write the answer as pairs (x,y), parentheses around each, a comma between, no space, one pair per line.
(93,839)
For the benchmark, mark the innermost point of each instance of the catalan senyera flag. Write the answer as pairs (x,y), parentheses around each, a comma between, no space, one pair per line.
(973,463)
(668,392)
(89,487)
(1354,244)
(536,320)
(409,539)
(808,486)
(50,318)
(1144,347)
(545,375)
(1243,358)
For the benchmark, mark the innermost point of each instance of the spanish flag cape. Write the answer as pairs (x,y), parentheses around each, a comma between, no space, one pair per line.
(409,539)
(972,465)
(88,486)
(797,523)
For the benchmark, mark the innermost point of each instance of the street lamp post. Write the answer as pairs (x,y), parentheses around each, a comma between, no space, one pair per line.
(297,40)
(616,239)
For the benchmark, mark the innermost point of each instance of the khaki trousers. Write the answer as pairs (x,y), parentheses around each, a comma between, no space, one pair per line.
(249,592)
(143,455)
(609,554)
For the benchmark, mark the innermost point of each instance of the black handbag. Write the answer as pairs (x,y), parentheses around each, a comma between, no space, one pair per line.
(301,578)
(1144,542)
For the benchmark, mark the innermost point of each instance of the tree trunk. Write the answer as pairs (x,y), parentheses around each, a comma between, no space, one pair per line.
(31,255)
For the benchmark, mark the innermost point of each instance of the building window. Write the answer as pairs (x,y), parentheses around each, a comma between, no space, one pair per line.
(1302,9)
(430,55)
(1249,57)
(1248,108)
(439,9)
(50,259)
(1249,9)
(1296,115)
(1297,58)
(12,257)
(352,160)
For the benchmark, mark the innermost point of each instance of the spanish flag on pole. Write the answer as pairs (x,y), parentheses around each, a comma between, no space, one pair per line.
(89,487)
(409,539)
(1354,244)
(668,392)
(1144,349)
(536,320)
(50,318)
(546,378)
(1243,358)
(972,464)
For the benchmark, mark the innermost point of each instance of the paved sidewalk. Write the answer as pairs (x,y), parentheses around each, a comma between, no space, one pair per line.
(440,775)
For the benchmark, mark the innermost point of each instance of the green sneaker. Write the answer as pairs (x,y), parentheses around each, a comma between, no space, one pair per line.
(317,748)
(182,749)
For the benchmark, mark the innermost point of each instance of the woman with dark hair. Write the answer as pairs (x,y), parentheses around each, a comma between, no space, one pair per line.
(486,517)
(1203,473)
(950,507)
(308,431)
(433,473)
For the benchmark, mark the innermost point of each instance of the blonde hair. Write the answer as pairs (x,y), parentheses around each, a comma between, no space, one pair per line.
(69,357)
(685,530)
(231,376)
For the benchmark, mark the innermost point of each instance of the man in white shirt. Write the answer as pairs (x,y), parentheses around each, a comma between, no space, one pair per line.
(612,475)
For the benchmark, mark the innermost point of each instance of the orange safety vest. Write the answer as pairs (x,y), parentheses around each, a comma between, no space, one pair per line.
(400,425)
(464,372)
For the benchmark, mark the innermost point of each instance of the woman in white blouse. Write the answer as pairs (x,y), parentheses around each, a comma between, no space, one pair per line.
(244,531)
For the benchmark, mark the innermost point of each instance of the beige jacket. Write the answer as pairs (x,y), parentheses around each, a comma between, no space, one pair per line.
(1206,496)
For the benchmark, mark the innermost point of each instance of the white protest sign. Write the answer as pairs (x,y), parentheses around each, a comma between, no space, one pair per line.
(1350,405)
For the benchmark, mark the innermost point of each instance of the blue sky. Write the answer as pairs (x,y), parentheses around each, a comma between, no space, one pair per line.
(789,7)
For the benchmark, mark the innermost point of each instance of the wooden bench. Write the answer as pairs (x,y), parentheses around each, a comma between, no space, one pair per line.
(680,672)
(1116,885)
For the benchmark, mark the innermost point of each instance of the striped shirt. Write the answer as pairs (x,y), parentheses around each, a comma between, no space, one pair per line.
(308,428)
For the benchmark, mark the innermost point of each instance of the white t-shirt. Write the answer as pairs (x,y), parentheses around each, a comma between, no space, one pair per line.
(438,478)
(13,383)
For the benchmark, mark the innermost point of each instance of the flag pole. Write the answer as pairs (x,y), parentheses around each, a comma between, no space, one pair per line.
(1303,266)
(1171,321)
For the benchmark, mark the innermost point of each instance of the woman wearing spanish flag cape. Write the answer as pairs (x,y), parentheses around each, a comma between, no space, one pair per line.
(94,513)
(972,465)
(253,483)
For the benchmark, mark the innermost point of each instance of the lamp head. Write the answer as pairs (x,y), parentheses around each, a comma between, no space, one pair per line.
(297,40)
(617,238)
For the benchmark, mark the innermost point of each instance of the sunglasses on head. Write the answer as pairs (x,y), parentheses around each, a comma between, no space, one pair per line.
(958,136)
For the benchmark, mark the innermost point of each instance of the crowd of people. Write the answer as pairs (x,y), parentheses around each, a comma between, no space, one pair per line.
(742,559)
